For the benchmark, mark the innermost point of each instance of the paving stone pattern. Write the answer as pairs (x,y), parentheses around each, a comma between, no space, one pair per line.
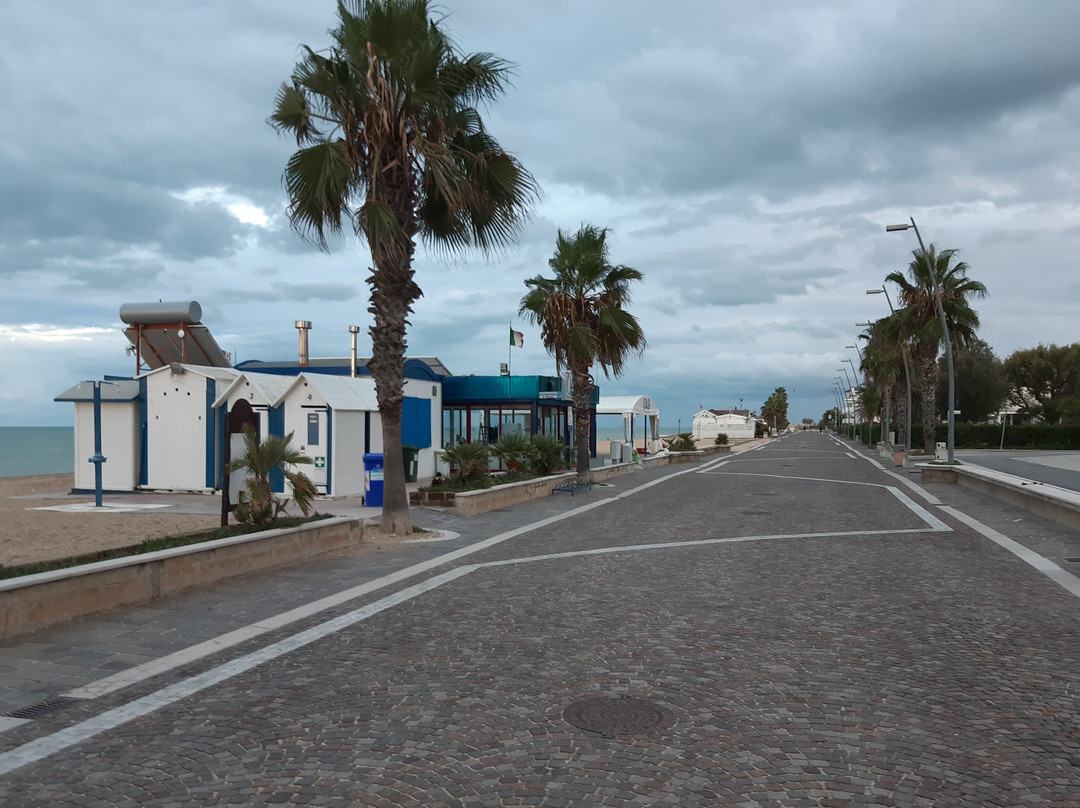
(923,668)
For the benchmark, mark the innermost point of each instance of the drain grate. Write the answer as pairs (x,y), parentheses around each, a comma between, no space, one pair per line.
(621,715)
(42,708)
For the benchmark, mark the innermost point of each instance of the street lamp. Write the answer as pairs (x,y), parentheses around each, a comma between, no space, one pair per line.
(854,408)
(866,386)
(944,331)
(849,395)
(840,407)
(907,368)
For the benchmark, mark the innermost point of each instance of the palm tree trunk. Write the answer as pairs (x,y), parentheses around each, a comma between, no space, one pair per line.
(898,392)
(392,293)
(928,398)
(579,369)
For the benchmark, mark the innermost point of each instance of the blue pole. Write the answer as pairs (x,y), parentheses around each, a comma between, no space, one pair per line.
(97,459)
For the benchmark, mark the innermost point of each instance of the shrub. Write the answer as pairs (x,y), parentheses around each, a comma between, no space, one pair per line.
(512,452)
(258,505)
(683,442)
(546,453)
(721,439)
(468,461)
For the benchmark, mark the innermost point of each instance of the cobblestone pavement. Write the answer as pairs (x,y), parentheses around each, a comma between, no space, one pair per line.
(792,626)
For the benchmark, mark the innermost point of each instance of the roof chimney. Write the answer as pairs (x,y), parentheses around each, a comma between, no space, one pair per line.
(354,330)
(303,326)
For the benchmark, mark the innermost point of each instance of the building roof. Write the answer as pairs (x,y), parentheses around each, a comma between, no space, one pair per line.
(741,413)
(416,367)
(627,405)
(220,374)
(266,387)
(342,393)
(116,390)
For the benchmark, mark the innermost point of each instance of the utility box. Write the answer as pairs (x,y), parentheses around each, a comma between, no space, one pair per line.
(373,480)
(410,455)
(941,452)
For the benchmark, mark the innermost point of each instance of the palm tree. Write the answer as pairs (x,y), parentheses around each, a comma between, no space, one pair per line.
(884,367)
(582,319)
(921,324)
(260,460)
(392,143)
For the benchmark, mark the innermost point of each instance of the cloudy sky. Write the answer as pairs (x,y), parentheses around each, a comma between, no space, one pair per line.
(746,157)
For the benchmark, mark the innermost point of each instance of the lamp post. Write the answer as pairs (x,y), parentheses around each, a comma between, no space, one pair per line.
(866,388)
(944,330)
(839,417)
(854,408)
(849,396)
(907,367)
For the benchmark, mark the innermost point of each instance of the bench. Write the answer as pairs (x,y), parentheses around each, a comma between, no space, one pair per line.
(572,487)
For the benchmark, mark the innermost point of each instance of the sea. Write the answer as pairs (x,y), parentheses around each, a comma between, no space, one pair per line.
(26,451)
(608,432)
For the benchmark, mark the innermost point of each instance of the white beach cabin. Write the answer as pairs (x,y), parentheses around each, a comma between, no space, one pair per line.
(181,447)
(120,443)
(334,421)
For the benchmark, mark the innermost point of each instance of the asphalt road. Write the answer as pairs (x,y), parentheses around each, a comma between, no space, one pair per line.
(790,626)
(1053,468)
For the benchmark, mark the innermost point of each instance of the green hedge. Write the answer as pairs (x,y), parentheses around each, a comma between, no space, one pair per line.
(988,436)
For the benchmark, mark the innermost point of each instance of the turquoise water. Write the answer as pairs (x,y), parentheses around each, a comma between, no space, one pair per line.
(26,451)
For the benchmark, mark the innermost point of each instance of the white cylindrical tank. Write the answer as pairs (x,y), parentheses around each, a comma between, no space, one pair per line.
(162,312)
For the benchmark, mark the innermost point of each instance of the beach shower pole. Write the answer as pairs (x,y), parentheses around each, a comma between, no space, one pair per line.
(97,459)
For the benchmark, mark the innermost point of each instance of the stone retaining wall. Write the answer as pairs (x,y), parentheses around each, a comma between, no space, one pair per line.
(30,602)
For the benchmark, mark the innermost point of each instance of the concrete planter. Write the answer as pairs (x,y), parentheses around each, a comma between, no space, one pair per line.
(685,457)
(470,503)
(937,474)
(31,602)
(716,449)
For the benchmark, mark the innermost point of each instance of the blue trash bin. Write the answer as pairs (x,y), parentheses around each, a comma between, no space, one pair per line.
(373,480)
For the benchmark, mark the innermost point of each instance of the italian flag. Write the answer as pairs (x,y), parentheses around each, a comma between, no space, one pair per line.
(517,339)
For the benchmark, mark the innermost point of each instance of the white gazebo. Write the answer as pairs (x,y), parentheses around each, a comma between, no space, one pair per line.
(629,407)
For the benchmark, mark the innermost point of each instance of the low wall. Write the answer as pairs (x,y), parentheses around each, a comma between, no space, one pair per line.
(470,503)
(31,602)
(1058,504)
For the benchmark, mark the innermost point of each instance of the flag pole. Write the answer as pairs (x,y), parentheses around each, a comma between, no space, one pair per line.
(510,352)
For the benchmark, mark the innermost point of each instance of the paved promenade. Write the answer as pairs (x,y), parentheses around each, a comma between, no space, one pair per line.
(793,625)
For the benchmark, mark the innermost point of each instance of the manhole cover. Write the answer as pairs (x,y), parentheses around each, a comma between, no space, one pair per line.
(621,715)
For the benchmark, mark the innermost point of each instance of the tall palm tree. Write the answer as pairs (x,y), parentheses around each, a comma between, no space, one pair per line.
(884,367)
(582,318)
(921,323)
(392,142)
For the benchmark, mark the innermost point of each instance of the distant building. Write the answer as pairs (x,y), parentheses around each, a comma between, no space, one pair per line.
(736,424)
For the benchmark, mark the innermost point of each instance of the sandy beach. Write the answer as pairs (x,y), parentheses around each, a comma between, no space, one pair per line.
(28,534)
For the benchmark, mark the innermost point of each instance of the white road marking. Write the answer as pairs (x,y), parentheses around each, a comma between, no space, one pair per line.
(1044,565)
(47,745)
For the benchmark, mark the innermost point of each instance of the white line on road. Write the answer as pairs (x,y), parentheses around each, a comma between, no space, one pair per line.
(41,748)
(1044,565)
